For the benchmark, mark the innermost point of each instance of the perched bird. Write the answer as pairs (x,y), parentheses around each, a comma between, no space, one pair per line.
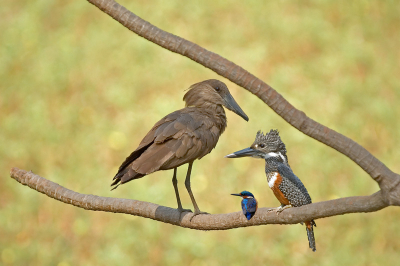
(249,204)
(182,136)
(287,187)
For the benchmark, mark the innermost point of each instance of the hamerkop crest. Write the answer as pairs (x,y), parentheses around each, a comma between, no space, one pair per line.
(182,136)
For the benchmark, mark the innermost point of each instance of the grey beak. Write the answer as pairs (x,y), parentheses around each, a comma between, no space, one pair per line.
(248,152)
(231,104)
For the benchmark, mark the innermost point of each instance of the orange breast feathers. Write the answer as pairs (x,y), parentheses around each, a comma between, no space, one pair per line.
(274,182)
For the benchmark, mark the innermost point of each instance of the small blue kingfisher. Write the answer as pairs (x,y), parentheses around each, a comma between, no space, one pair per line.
(249,204)
(287,187)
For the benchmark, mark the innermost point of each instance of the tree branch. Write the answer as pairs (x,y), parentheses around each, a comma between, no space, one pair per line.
(226,221)
(388,181)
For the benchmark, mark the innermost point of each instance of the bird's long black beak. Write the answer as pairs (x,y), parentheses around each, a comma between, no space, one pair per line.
(231,104)
(236,195)
(248,152)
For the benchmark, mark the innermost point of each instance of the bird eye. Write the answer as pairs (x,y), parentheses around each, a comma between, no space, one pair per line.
(217,88)
(261,145)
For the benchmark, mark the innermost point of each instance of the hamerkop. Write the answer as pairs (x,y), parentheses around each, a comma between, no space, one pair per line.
(182,136)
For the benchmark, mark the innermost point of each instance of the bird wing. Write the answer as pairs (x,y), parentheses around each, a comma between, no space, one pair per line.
(249,207)
(244,207)
(252,205)
(148,140)
(182,137)
(294,184)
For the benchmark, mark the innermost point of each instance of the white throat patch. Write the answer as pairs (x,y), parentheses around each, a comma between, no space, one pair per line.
(272,181)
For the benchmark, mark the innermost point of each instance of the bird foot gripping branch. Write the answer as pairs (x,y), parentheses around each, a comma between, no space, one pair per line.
(286,186)
(280,209)
(198,213)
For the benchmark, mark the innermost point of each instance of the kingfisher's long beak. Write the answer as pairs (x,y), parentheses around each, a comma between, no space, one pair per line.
(231,104)
(248,152)
(236,195)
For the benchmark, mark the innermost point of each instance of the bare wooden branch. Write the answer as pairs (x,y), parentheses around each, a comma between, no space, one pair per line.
(226,221)
(389,182)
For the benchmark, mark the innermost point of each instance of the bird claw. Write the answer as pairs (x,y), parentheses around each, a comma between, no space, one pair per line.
(197,213)
(280,209)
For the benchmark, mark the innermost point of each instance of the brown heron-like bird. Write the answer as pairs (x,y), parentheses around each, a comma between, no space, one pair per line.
(182,136)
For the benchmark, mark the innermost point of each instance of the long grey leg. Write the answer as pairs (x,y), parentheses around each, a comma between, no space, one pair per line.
(187,184)
(178,199)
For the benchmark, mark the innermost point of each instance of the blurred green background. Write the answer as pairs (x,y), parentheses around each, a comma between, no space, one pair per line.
(78,92)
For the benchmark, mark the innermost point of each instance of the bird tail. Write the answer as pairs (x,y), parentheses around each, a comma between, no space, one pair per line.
(310,234)
(124,176)
(125,172)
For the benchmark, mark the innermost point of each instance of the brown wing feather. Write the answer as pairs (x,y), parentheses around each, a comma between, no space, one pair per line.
(151,160)
(178,138)
(148,140)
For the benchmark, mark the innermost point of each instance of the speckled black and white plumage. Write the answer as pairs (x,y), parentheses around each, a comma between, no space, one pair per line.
(291,186)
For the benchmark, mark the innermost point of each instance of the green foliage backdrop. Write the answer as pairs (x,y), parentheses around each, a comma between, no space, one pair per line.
(78,91)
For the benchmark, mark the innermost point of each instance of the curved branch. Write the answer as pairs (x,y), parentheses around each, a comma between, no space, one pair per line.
(226,221)
(389,182)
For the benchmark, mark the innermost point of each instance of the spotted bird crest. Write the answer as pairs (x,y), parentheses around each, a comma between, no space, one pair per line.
(272,141)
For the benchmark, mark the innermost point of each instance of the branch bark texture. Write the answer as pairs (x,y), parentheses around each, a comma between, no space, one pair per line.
(226,221)
(388,181)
